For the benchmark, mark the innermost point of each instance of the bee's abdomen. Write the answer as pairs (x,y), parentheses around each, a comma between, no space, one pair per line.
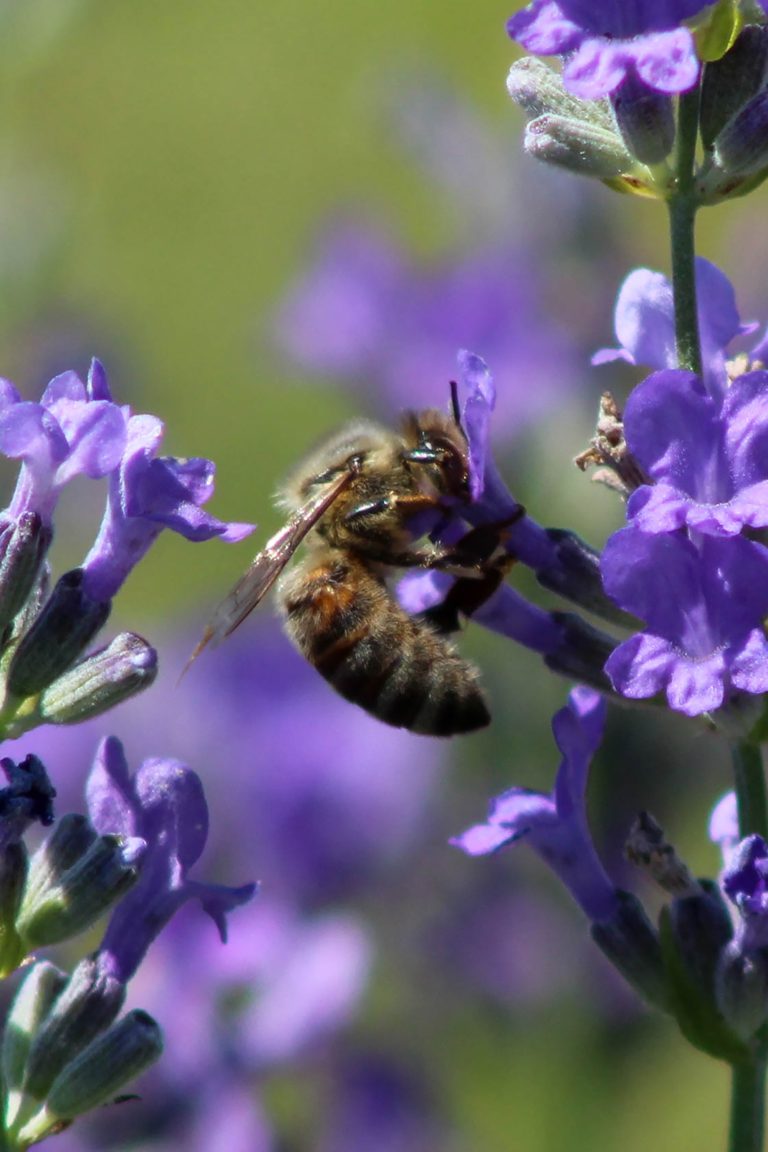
(344,621)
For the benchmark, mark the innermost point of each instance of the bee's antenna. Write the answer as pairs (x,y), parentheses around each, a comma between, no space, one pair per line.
(455,409)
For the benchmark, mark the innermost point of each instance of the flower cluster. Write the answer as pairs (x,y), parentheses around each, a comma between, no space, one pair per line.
(65,1047)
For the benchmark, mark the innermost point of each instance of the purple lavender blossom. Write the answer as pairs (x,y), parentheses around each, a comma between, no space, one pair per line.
(164,805)
(146,494)
(74,430)
(745,882)
(707,461)
(703,606)
(606,41)
(644,322)
(555,826)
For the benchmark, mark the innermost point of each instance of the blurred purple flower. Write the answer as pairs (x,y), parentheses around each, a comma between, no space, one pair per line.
(365,315)
(164,805)
(606,41)
(381,1106)
(555,826)
(304,771)
(724,825)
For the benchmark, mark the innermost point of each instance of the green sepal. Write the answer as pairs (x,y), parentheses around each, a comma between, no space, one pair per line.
(693,1006)
(716,34)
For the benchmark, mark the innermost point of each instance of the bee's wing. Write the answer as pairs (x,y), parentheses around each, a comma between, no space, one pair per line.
(265,568)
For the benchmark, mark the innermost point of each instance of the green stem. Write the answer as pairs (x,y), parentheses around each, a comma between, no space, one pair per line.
(748,1078)
(751,801)
(682,215)
(747,1107)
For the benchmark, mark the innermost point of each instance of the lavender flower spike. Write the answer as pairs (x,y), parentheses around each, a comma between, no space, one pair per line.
(165,806)
(555,826)
(146,494)
(605,42)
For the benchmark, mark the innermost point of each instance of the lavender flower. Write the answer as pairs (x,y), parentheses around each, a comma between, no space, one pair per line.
(683,564)
(604,44)
(555,826)
(165,806)
(146,494)
(644,322)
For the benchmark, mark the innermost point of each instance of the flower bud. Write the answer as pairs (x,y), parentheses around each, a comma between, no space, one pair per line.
(37,992)
(65,625)
(101,681)
(694,931)
(539,90)
(582,651)
(85,1008)
(742,988)
(61,903)
(28,798)
(730,82)
(121,1054)
(645,119)
(631,943)
(585,148)
(702,927)
(13,875)
(741,148)
(575,575)
(23,545)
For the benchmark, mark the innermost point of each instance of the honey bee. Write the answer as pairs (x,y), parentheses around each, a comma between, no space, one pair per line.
(360,503)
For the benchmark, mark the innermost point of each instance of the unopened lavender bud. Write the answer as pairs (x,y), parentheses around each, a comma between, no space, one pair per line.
(37,992)
(582,652)
(575,576)
(702,927)
(13,876)
(66,903)
(539,90)
(67,843)
(631,943)
(730,82)
(581,147)
(741,148)
(27,799)
(86,1007)
(106,1066)
(23,545)
(101,681)
(646,121)
(695,930)
(65,625)
(742,988)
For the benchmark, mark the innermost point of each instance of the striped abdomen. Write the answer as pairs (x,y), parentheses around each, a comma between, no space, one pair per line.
(344,621)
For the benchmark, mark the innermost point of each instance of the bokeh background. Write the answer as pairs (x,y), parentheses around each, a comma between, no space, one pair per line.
(264,218)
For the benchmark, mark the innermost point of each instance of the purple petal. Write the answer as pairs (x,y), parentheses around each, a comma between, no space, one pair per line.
(478,401)
(109,792)
(724,825)
(482,839)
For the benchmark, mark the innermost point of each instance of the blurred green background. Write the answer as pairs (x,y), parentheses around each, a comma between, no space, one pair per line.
(163,169)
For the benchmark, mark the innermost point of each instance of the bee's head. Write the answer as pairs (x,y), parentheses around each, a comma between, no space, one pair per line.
(438,447)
